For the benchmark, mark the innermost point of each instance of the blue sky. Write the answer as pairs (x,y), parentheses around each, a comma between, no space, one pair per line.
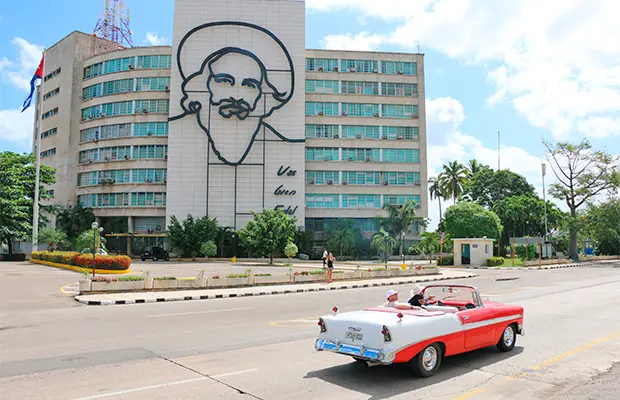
(489,66)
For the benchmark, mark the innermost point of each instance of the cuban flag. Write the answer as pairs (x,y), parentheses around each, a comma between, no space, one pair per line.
(37,75)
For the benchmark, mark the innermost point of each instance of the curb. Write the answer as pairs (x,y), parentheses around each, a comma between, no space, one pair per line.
(265,293)
(569,265)
(80,269)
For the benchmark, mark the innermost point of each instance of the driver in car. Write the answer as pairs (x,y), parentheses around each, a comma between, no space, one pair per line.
(392,301)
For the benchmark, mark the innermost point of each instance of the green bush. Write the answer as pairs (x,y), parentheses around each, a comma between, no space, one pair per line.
(209,249)
(531,251)
(237,276)
(447,260)
(495,261)
(165,278)
(130,278)
(317,272)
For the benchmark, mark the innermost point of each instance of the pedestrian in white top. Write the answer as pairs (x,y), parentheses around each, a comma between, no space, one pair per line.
(392,301)
(324,257)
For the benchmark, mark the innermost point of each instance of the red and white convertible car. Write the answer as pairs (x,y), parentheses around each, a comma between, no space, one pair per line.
(456,321)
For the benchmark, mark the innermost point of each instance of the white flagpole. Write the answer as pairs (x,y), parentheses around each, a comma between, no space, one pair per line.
(37,153)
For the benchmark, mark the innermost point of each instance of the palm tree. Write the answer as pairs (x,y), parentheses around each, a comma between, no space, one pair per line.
(384,243)
(454,176)
(429,243)
(75,220)
(401,219)
(53,238)
(473,167)
(342,236)
(435,191)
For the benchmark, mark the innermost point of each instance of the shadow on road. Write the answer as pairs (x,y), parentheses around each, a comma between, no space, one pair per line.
(388,381)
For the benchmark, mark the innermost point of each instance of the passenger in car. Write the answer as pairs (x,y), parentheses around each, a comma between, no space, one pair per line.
(417,298)
(392,301)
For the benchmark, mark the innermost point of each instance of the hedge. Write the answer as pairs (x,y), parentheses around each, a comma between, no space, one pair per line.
(447,260)
(495,261)
(109,263)
(13,257)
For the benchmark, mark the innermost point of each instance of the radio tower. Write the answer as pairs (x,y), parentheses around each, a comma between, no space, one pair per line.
(113,24)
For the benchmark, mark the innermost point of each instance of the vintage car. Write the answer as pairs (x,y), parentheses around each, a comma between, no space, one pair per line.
(455,321)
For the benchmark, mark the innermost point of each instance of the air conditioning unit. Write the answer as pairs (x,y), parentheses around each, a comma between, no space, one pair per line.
(399,138)
(167,88)
(103,181)
(344,113)
(385,183)
(320,69)
(352,69)
(320,113)
(358,136)
(107,158)
(375,71)
(158,227)
(149,181)
(311,182)
(415,115)
(166,157)
(83,119)
(416,183)
(326,158)
(336,136)
(95,140)
(401,72)
(384,137)
(149,133)
(368,159)
(131,67)
(102,115)
(111,181)
(126,157)
(336,69)
(345,183)
(330,182)
(145,111)
(418,206)
(376,114)
(350,159)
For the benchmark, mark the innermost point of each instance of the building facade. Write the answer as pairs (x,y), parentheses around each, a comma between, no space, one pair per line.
(235,117)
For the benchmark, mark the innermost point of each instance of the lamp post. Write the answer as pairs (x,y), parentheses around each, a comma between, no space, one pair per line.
(96,230)
(544,172)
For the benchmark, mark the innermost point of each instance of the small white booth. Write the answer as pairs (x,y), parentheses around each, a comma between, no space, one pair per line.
(472,251)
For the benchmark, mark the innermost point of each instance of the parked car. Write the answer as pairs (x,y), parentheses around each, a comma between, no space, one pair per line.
(155,253)
(102,252)
(457,321)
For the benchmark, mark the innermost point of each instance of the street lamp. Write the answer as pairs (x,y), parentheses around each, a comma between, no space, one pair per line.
(544,172)
(96,228)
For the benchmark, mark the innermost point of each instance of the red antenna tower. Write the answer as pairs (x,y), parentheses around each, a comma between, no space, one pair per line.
(113,24)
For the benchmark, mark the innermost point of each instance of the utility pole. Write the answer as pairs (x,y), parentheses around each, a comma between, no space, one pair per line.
(544,172)
(37,154)
(499,240)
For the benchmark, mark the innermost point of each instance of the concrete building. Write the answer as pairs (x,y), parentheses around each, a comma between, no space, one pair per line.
(145,133)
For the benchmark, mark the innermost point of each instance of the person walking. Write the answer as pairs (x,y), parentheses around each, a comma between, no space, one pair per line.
(330,266)
(324,258)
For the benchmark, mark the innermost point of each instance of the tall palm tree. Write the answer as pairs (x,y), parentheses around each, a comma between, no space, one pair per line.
(473,167)
(53,238)
(401,219)
(74,220)
(454,177)
(435,191)
(384,243)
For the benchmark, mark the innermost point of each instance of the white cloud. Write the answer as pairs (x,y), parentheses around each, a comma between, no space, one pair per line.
(18,73)
(360,42)
(16,127)
(155,40)
(559,66)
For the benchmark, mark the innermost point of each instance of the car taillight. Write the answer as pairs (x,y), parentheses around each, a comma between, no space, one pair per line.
(386,334)
(322,325)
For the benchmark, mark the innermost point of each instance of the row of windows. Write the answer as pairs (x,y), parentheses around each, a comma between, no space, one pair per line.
(374,201)
(124,130)
(125,86)
(148,199)
(50,113)
(126,108)
(51,93)
(367,225)
(126,64)
(371,178)
(48,153)
(361,154)
(157,175)
(331,109)
(365,66)
(52,74)
(362,88)
(49,133)
(315,131)
(124,153)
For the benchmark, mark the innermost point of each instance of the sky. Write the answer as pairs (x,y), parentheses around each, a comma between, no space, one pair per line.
(529,69)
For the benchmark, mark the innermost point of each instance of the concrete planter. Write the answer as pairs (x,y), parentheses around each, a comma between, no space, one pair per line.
(258,280)
(375,274)
(148,283)
(239,281)
(190,283)
(117,286)
(214,283)
(165,284)
(349,275)
(427,271)
(85,285)
(309,278)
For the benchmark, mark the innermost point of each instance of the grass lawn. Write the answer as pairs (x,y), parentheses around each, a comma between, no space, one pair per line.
(508,262)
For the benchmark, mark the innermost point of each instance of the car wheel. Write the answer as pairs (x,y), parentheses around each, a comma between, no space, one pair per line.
(143,259)
(426,363)
(154,258)
(167,258)
(508,339)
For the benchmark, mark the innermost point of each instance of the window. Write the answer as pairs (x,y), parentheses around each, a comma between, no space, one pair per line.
(361,201)
(118,175)
(149,224)
(150,129)
(115,109)
(329,109)
(52,194)
(322,177)
(402,178)
(367,225)
(398,67)
(87,156)
(152,106)
(109,67)
(48,153)
(152,84)
(321,131)
(401,132)
(401,199)
(52,74)
(321,64)
(399,89)
(400,111)
(360,66)
(93,91)
(116,87)
(88,200)
(51,93)
(368,88)
(401,155)
(148,199)
(355,154)
(115,131)
(321,154)
(322,200)
(50,113)
(88,178)
(361,178)
(360,110)
(318,86)
(91,112)
(150,151)
(149,175)
(360,132)
(49,133)
(154,62)
(113,200)
(114,153)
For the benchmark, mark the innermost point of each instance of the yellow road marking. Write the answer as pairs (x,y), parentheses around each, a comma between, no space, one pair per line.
(544,364)
(62,289)
(296,323)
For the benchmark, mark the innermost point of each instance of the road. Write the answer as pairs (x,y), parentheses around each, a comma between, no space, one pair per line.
(261,348)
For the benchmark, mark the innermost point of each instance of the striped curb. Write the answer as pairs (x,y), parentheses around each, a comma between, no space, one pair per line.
(265,293)
(570,265)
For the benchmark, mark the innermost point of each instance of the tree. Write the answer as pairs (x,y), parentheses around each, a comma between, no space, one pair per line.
(268,233)
(224,236)
(87,240)
(435,192)
(187,238)
(304,239)
(473,167)
(17,184)
(342,235)
(209,248)
(525,216)
(489,187)
(471,220)
(74,220)
(53,238)
(453,178)
(582,174)
(602,224)
(429,243)
(401,219)
(383,243)
(290,250)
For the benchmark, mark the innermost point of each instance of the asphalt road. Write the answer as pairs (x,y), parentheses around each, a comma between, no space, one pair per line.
(261,347)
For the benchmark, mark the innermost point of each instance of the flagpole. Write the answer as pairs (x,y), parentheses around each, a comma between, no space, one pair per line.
(37,153)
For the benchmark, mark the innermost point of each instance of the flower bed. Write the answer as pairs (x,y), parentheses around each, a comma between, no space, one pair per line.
(106,263)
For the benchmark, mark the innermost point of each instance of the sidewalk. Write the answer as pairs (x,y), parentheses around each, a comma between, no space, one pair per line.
(183,295)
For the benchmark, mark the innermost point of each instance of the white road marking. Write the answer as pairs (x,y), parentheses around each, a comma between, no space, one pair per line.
(198,312)
(163,385)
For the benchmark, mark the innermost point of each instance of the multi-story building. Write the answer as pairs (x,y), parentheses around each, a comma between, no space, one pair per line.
(110,113)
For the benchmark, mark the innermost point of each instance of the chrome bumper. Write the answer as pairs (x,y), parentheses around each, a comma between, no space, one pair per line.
(521,330)
(350,350)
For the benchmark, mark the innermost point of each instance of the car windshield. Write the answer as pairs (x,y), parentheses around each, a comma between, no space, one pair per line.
(451,293)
